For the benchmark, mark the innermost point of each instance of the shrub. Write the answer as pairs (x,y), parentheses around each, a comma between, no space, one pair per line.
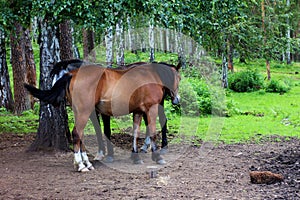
(245,81)
(197,99)
(278,86)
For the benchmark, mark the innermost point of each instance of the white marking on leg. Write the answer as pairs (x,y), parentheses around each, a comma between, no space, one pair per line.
(78,162)
(86,161)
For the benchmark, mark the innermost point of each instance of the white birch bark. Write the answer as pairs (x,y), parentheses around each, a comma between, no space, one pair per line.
(6,99)
(288,37)
(151,40)
(120,44)
(109,47)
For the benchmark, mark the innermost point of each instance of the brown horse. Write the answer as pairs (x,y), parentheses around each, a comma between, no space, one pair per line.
(62,67)
(137,90)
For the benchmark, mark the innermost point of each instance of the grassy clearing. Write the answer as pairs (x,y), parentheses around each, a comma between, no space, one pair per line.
(253,116)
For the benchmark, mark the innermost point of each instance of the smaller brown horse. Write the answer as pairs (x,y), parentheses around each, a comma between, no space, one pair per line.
(137,90)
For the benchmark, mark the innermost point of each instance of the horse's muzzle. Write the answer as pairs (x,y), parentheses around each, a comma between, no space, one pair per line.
(176,100)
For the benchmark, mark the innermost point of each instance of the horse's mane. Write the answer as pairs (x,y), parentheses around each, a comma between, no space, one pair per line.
(167,64)
(63,65)
(72,64)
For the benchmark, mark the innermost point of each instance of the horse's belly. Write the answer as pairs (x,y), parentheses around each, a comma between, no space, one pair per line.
(112,108)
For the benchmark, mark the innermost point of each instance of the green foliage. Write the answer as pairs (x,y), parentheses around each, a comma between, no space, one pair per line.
(278,86)
(245,81)
(189,100)
(27,122)
(198,98)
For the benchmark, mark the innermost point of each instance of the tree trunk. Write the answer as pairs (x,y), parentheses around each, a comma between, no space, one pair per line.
(224,72)
(180,50)
(30,64)
(263,15)
(53,125)
(18,59)
(65,40)
(6,99)
(296,35)
(230,55)
(120,44)
(268,69)
(288,37)
(151,40)
(109,47)
(66,52)
(89,45)
(166,40)
(161,40)
(131,37)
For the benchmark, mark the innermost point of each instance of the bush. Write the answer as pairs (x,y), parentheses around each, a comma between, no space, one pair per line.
(278,86)
(245,81)
(197,99)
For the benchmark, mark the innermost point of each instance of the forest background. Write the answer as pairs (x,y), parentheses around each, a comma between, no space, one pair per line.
(258,38)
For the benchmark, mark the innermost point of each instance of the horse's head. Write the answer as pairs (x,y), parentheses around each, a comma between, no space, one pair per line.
(174,91)
(170,77)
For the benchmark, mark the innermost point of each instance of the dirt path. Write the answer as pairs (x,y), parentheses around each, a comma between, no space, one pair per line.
(192,173)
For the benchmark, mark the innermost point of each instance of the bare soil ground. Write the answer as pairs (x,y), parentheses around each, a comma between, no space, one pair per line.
(207,172)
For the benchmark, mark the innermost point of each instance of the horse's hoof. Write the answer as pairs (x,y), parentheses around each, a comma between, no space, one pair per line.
(84,170)
(144,151)
(138,162)
(161,162)
(99,157)
(164,150)
(91,168)
(136,158)
(109,159)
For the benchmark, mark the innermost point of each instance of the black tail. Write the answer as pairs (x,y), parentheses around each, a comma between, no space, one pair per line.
(53,96)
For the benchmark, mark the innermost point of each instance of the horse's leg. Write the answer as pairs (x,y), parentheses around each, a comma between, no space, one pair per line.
(107,132)
(78,162)
(96,123)
(144,148)
(85,158)
(151,118)
(137,118)
(163,125)
(80,156)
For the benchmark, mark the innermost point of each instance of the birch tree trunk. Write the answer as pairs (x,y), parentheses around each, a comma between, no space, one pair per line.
(224,72)
(166,40)
(6,99)
(120,44)
(109,47)
(131,37)
(288,37)
(53,124)
(151,40)
(161,40)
